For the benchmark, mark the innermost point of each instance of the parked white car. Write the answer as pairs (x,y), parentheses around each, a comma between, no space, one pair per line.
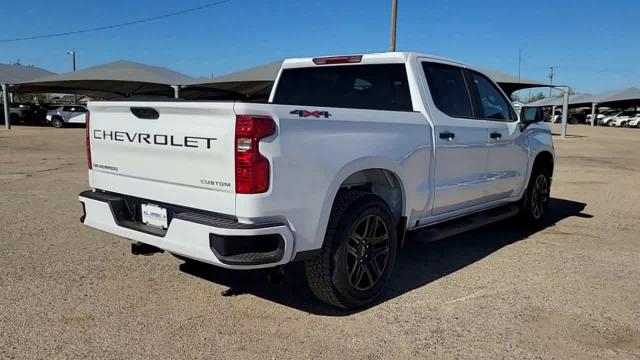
(598,117)
(634,121)
(601,116)
(607,118)
(348,154)
(67,114)
(622,119)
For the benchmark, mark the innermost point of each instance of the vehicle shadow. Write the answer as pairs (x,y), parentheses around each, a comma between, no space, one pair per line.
(418,263)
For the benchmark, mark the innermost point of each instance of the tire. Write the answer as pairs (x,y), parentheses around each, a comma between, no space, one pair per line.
(57,122)
(358,252)
(535,201)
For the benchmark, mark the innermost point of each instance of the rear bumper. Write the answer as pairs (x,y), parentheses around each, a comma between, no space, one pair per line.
(212,238)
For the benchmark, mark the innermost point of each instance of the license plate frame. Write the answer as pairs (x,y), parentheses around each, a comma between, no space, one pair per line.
(154,215)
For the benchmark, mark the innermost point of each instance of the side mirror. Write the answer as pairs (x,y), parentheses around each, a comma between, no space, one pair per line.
(530,115)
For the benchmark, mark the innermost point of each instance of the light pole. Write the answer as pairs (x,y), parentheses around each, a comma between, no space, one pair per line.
(73,58)
(519,63)
(551,75)
(73,65)
(394,16)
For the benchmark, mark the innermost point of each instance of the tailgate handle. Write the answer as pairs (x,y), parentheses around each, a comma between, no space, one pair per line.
(145,112)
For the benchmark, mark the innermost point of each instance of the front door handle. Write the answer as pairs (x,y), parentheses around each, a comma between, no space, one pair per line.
(448,135)
(496,135)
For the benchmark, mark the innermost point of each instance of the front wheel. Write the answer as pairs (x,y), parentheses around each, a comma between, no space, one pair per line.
(358,252)
(57,122)
(537,196)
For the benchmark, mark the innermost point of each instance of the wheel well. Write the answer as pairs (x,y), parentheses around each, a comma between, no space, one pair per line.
(381,182)
(544,159)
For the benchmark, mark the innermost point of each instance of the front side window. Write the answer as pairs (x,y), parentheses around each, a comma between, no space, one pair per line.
(492,105)
(448,89)
(375,87)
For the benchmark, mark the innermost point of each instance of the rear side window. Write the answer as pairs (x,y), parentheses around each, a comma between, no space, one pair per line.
(492,104)
(375,87)
(448,89)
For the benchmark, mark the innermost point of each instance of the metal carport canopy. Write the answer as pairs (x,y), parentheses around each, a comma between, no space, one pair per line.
(248,82)
(629,96)
(621,98)
(557,101)
(510,83)
(13,74)
(120,78)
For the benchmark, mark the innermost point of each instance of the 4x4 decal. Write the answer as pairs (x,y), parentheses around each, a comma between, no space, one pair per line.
(305,113)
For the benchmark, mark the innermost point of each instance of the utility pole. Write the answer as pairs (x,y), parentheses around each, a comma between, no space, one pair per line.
(551,75)
(519,62)
(394,16)
(73,64)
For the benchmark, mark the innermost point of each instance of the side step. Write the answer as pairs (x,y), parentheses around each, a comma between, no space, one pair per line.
(464,224)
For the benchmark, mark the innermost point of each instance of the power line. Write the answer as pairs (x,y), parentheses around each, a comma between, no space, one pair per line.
(113,26)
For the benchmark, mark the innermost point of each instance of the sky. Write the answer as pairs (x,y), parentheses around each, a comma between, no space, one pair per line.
(594,46)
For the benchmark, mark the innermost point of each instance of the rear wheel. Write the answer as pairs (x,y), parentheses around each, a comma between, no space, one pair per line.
(537,196)
(358,252)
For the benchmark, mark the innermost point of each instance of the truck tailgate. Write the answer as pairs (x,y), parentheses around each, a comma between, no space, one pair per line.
(173,152)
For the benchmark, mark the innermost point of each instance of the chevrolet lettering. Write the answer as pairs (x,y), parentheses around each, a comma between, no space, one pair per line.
(155,139)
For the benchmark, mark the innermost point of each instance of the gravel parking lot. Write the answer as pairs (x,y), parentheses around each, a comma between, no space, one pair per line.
(571,290)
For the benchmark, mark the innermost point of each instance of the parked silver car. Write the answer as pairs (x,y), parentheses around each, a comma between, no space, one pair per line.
(59,116)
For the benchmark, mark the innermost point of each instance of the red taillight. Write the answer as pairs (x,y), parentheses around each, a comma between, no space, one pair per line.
(252,169)
(351,59)
(88,142)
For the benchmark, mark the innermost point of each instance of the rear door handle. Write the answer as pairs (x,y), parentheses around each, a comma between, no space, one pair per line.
(448,135)
(496,135)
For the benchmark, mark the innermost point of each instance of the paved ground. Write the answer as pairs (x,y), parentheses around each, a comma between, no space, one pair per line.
(568,291)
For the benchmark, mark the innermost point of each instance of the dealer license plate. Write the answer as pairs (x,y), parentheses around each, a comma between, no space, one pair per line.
(154,215)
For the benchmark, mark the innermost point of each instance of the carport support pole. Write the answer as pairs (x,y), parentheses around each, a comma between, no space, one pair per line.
(7,105)
(176,91)
(593,114)
(565,111)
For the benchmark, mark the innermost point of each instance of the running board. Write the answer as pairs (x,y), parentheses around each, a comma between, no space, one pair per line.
(467,223)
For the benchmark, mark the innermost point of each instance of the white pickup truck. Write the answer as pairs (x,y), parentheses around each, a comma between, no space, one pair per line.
(347,154)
